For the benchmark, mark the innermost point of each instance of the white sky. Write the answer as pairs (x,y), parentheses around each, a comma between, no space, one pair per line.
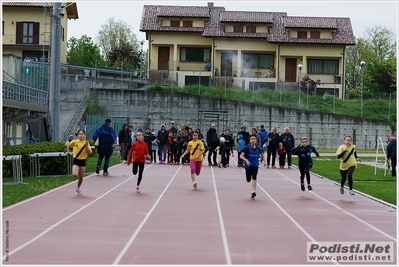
(363,14)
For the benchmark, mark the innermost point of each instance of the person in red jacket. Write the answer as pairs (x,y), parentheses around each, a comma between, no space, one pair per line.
(139,152)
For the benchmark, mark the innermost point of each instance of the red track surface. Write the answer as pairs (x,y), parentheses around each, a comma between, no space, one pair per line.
(169,222)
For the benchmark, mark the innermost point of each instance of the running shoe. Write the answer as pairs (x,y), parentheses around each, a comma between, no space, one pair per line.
(98,169)
(78,191)
(105,173)
(273,167)
(268,166)
(310,188)
(302,187)
(195,185)
(137,189)
(253,195)
(351,192)
(341,190)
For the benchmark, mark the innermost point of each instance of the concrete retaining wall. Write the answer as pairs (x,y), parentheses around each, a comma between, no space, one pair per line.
(324,130)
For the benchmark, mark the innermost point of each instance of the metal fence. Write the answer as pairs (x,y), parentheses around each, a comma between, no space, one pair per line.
(24,93)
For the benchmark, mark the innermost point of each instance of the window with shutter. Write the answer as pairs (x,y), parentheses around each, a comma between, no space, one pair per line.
(315,35)
(302,34)
(187,23)
(251,29)
(238,29)
(175,23)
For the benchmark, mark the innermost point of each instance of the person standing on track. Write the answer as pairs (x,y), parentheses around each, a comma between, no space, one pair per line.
(196,149)
(348,157)
(250,156)
(139,151)
(305,162)
(288,142)
(80,150)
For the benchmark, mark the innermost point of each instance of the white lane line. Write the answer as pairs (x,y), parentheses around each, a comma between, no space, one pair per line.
(63,220)
(295,222)
(48,192)
(223,230)
(347,212)
(138,229)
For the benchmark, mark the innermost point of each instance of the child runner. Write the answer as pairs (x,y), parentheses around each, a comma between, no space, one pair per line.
(281,151)
(196,149)
(347,154)
(80,149)
(304,151)
(250,156)
(139,150)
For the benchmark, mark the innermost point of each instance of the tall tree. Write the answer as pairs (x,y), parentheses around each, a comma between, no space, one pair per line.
(125,57)
(114,34)
(83,52)
(377,48)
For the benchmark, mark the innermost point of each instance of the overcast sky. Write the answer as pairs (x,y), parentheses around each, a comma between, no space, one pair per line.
(363,14)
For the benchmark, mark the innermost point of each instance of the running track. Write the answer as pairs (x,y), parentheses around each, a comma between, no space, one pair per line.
(169,222)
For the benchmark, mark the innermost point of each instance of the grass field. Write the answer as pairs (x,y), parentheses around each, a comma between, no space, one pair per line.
(379,186)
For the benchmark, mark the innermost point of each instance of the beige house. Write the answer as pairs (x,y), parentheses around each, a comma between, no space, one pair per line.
(26,29)
(249,49)
(26,43)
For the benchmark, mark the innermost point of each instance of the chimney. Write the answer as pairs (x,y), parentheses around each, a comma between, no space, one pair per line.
(210,4)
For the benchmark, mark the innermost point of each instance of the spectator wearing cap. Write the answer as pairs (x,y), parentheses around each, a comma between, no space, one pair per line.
(148,138)
(162,138)
(391,153)
(105,148)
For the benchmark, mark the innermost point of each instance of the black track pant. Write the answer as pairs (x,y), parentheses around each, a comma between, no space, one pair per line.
(347,173)
(305,171)
(138,166)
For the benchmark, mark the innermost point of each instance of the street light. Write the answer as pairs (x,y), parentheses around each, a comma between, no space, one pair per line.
(362,65)
(299,76)
(141,63)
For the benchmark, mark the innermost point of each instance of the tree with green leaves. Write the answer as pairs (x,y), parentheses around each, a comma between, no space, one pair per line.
(378,50)
(125,57)
(114,34)
(83,52)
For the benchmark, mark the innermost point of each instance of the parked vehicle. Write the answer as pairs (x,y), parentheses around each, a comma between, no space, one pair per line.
(330,93)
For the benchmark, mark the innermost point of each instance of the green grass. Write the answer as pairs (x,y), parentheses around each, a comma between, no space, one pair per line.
(379,186)
(35,186)
(376,107)
(364,180)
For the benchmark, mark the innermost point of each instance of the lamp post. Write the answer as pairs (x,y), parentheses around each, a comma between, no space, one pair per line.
(362,65)
(141,59)
(299,77)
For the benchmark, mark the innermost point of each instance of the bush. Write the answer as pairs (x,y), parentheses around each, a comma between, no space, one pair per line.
(48,166)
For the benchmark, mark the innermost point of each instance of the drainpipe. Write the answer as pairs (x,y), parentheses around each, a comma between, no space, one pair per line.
(343,85)
(278,64)
(213,61)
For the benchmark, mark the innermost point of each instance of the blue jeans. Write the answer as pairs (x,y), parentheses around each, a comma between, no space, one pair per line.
(106,162)
(162,156)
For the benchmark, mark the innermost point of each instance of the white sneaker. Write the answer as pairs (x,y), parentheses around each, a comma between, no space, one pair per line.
(351,192)
(137,189)
(195,185)
(78,191)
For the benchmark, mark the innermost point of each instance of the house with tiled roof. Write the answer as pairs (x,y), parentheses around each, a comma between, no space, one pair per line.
(27,28)
(187,44)
(26,47)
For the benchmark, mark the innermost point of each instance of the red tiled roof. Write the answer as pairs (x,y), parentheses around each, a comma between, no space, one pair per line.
(246,16)
(183,11)
(279,24)
(310,22)
(71,7)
